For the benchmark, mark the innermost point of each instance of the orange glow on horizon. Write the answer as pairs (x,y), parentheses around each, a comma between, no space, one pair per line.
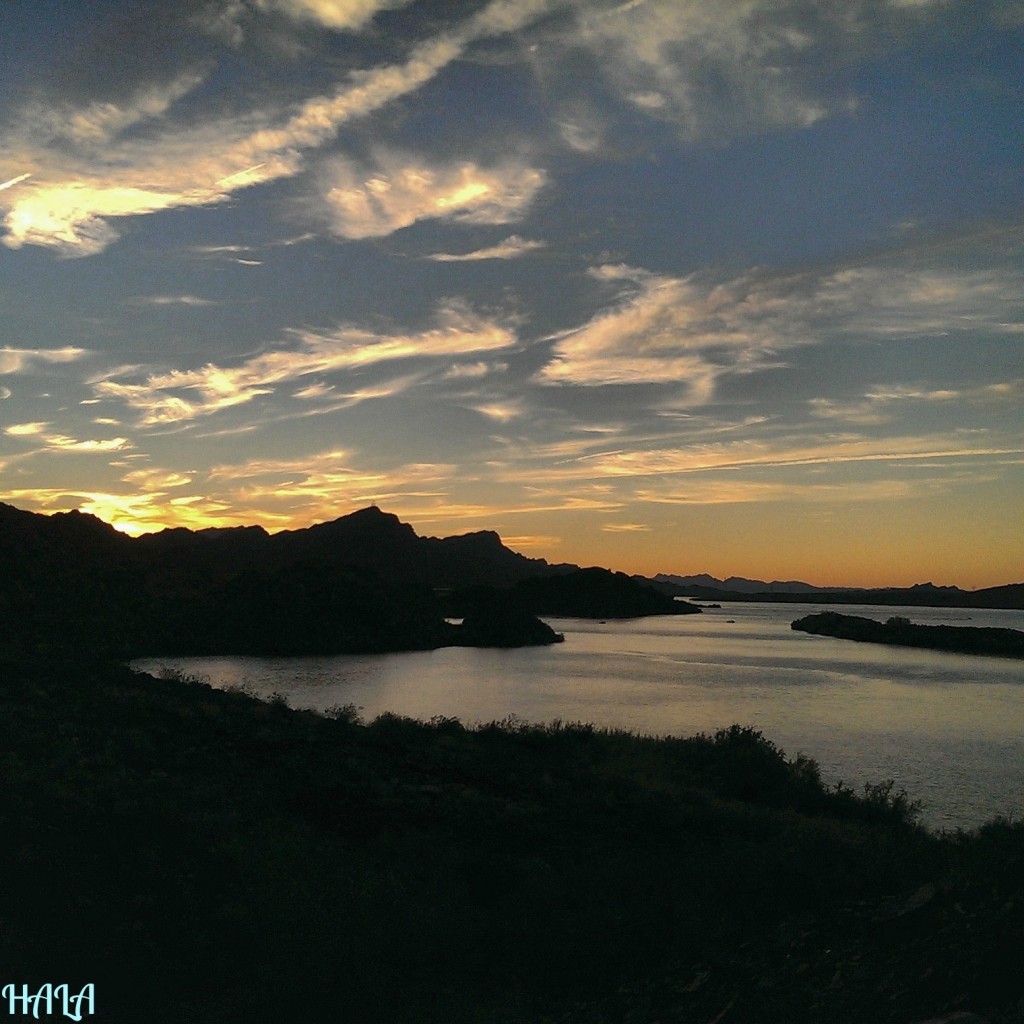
(887,553)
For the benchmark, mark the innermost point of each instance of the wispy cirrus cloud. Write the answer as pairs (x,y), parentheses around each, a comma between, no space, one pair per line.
(49,440)
(82,168)
(511,248)
(182,395)
(692,331)
(659,54)
(174,300)
(883,403)
(155,481)
(719,69)
(663,330)
(73,197)
(399,191)
(502,410)
(776,453)
(22,360)
(745,492)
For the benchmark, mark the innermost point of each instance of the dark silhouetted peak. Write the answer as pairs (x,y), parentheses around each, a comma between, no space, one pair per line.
(701,579)
(65,535)
(82,524)
(480,558)
(8,513)
(478,538)
(367,522)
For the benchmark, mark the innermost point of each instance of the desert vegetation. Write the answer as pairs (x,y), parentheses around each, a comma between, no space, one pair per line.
(199,855)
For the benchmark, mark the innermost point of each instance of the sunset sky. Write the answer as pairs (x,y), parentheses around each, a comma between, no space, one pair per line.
(726,286)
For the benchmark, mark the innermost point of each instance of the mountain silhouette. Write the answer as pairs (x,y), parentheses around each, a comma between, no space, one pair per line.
(738,588)
(363,582)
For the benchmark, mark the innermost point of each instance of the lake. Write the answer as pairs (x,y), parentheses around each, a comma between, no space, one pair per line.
(948,728)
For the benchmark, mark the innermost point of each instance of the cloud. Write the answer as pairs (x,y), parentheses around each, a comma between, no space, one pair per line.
(175,300)
(69,204)
(743,492)
(398,192)
(691,331)
(625,528)
(348,15)
(501,411)
(132,513)
(70,217)
(95,125)
(511,248)
(325,398)
(321,485)
(21,360)
(182,395)
(273,493)
(61,442)
(665,330)
(25,429)
(157,480)
(717,68)
(541,542)
(13,181)
(473,371)
(880,404)
(755,453)
(449,510)
(93,164)
(230,19)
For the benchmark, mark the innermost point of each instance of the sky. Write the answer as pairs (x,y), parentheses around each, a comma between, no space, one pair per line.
(724,286)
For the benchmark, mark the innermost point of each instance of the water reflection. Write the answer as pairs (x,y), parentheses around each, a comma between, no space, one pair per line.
(949,728)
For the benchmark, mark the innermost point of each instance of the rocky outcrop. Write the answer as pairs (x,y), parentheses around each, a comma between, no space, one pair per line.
(1007,643)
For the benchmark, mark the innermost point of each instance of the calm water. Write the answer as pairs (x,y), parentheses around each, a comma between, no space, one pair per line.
(948,728)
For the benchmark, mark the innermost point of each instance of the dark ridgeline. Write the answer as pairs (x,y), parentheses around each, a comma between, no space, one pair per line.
(365,582)
(921,595)
(592,593)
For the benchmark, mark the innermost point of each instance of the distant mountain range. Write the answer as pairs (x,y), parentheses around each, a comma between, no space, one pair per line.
(709,588)
(738,584)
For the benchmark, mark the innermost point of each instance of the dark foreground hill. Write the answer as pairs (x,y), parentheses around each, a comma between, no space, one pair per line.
(198,856)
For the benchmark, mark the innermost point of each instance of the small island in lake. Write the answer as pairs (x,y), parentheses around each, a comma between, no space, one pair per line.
(900,631)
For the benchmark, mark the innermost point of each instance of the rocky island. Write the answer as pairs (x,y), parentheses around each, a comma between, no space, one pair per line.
(1006,643)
